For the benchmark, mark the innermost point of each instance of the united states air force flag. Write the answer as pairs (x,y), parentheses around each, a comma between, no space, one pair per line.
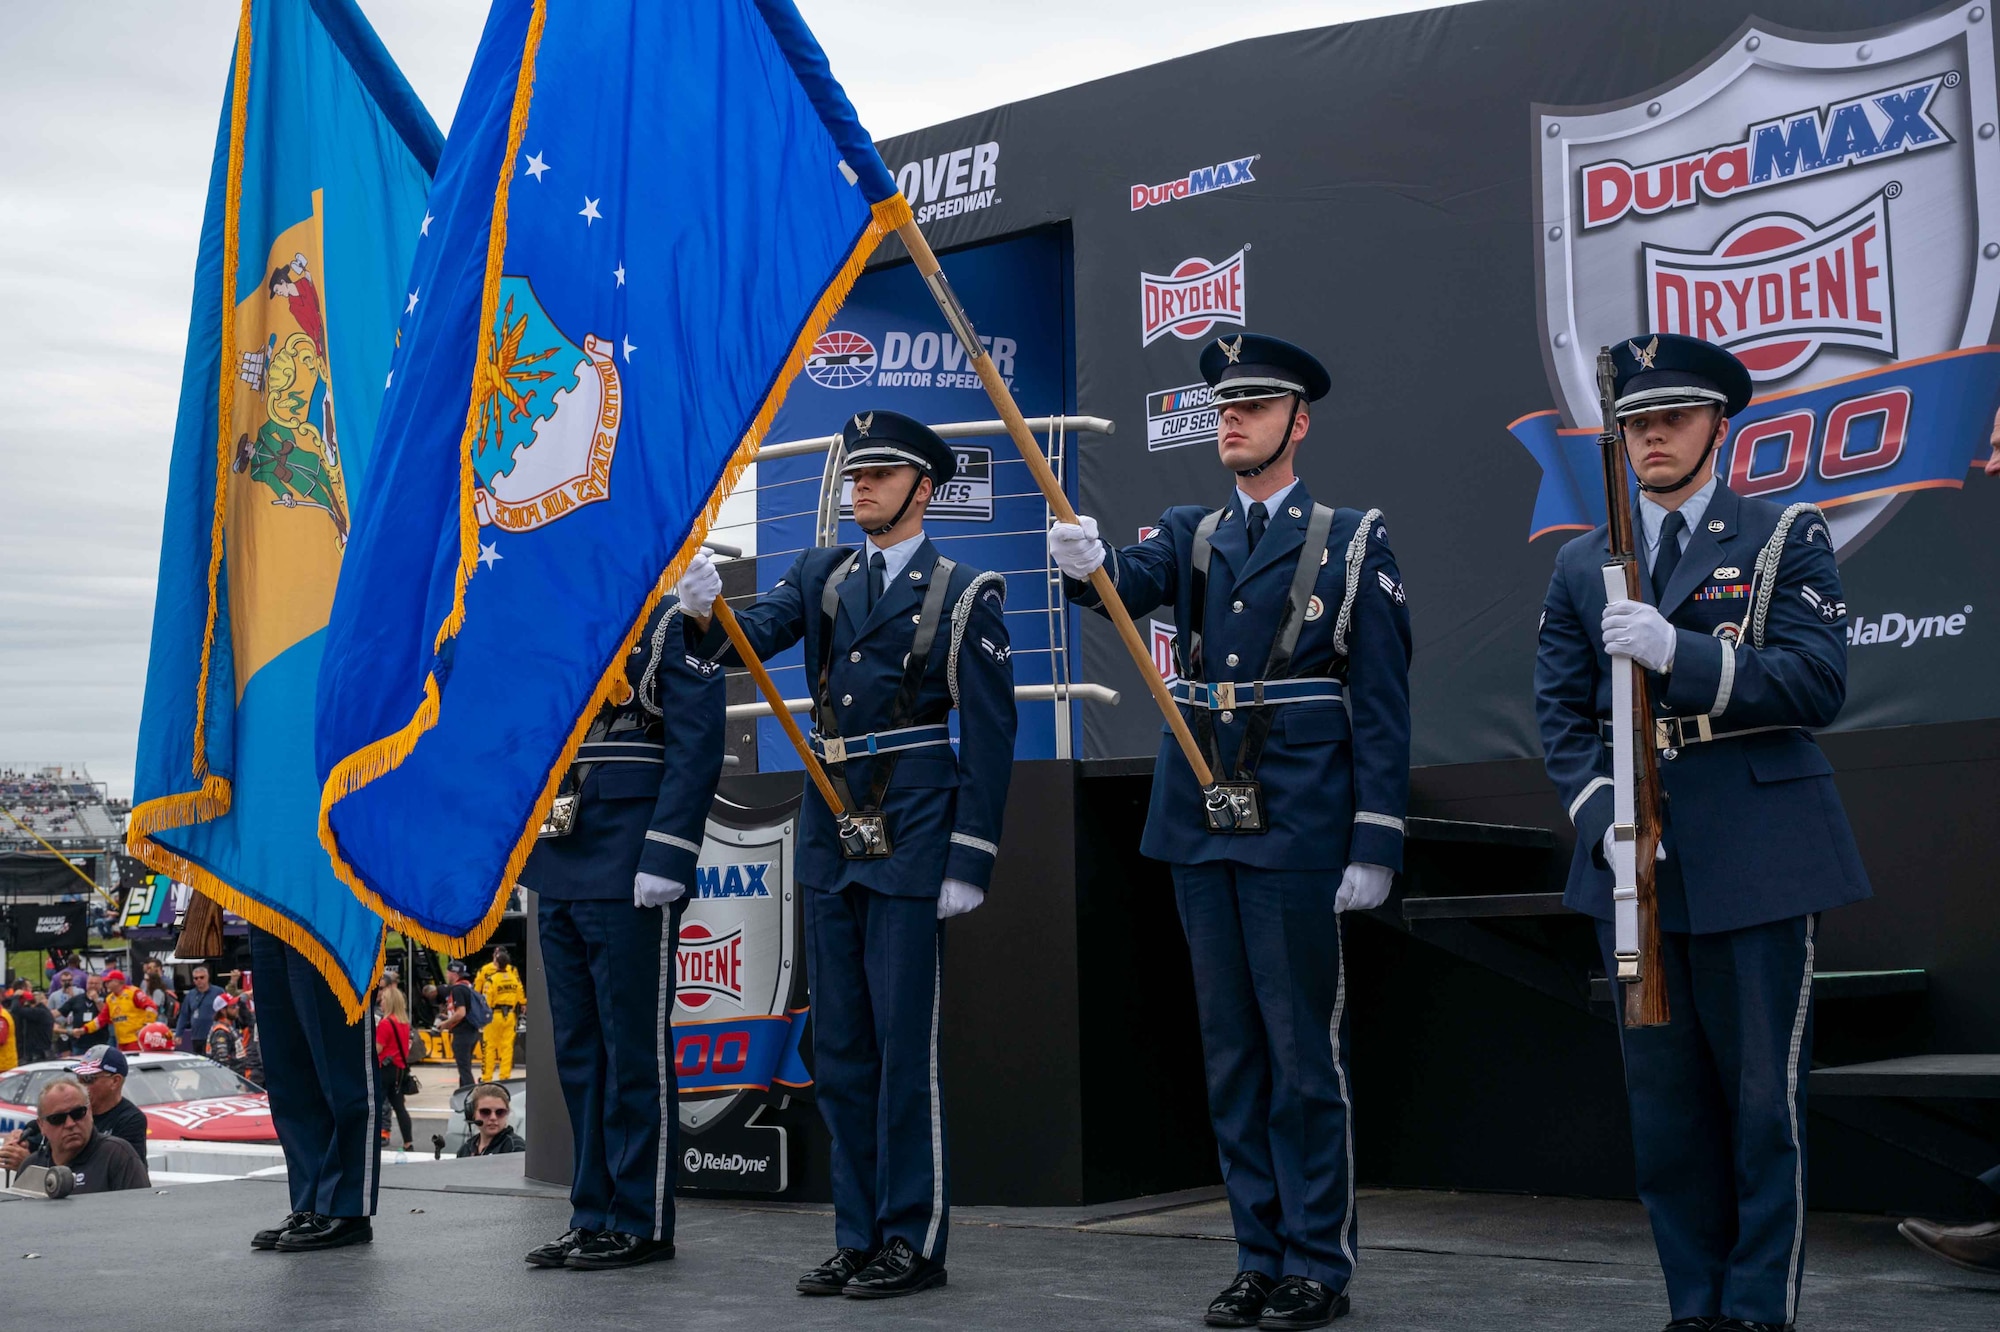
(645,216)
(315,205)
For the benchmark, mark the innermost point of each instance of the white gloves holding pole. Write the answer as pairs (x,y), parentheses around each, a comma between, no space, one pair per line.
(1074,547)
(1634,629)
(699,586)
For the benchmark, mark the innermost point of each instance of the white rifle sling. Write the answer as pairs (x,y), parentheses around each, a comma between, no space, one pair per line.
(1624,800)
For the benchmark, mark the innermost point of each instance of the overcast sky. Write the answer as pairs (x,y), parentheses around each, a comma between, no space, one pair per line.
(110,109)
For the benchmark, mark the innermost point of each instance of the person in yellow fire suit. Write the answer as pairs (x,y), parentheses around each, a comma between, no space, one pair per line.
(504,993)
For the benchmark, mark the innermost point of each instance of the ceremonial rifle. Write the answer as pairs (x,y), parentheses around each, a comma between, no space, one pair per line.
(1635,760)
(1220,806)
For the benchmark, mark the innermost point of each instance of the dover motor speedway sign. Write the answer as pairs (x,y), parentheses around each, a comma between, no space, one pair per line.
(1826,208)
(739,1005)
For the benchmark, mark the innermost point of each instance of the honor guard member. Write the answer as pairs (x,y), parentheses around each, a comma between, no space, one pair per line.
(320,1072)
(896,635)
(1742,631)
(1293,655)
(611,872)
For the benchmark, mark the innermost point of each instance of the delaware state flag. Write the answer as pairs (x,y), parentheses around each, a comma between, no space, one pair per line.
(646,214)
(315,205)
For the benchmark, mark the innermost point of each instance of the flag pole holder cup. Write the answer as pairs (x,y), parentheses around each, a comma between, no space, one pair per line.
(1235,807)
(864,835)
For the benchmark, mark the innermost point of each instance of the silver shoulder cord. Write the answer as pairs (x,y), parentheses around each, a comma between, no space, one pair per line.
(653,659)
(961,615)
(1764,577)
(1357,553)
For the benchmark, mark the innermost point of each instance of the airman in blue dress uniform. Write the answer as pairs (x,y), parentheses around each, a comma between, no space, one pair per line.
(896,636)
(1293,655)
(320,1071)
(611,874)
(1743,631)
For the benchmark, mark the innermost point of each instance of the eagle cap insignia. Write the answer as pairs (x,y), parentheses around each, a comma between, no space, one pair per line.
(862,421)
(1233,350)
(1644,355)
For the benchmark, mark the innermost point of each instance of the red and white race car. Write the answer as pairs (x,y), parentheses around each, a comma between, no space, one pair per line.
(185,1096)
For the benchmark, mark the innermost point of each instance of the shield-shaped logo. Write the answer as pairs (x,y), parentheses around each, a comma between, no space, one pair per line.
(739,1001)
(1828,208)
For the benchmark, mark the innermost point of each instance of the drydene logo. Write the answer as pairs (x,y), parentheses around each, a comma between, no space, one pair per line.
(1796,146)
(1163,649)
(1192,299)
(1177,416)
(1776,288)
(951,183)
(1221,176)
(840,359)
(710,964)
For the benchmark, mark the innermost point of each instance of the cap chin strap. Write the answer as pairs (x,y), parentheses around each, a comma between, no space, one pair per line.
(1284,442)
(890,526)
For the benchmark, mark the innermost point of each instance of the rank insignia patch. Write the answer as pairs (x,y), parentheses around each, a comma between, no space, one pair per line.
(1828,611)
(1391,586)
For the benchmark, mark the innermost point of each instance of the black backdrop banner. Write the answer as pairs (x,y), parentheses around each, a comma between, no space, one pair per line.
(1454,209)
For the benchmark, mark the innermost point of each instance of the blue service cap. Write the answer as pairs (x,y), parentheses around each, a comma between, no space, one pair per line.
(891,439)
(1253,365)
(1656,370)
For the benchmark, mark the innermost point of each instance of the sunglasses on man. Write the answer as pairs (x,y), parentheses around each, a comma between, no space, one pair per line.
(61,1117)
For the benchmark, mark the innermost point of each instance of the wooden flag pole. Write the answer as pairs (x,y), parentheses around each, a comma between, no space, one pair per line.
(769,689)
(1031,453)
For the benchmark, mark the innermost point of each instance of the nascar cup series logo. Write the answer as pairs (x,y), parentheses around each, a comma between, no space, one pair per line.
(1826,207)
(1191,300)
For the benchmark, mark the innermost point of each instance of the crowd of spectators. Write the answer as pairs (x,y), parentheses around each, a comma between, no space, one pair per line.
(81,1011)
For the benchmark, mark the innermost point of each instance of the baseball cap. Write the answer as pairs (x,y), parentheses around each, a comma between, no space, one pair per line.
(101,1059)
(457,968)
(114,975)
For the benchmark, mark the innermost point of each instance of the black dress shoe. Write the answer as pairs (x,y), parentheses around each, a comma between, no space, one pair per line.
(557,1251)
(1240,1304)
(1745,1325)
(832,1276)
(268,1239)
(615,1248)
(1701,1324)
(1302,1302)
(897,1270)
(326,1232)
(1975,1248)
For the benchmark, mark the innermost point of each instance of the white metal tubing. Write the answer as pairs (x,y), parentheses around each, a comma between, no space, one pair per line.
(1098,425)
(1089,693)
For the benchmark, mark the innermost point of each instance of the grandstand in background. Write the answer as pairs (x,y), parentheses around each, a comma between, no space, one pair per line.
(60,804)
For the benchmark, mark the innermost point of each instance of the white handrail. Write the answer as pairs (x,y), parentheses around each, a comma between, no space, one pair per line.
(1097,425)
(1089,693)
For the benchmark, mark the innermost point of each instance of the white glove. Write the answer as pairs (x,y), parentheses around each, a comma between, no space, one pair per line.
(1075,548)
(699,586)
(1659,852)
(650,890)
(1634,629)
(956,897)
(1363,887)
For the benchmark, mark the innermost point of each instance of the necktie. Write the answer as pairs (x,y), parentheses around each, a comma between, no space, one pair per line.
(1255,526)
(1669,557)
(878,569)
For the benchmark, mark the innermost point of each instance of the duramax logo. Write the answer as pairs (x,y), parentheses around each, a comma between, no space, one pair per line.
(1905,630)
(1221,176)
(742,879)
(963,181)
(1796,146)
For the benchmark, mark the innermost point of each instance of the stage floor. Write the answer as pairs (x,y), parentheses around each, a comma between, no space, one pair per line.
(450,1236)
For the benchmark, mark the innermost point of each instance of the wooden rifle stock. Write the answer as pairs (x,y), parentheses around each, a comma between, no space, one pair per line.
(1645,988)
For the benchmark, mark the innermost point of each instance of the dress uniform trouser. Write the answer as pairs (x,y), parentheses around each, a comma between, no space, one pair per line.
(611,977)
(320,1072)
(1718,1116)
(1271,989)
(877,975)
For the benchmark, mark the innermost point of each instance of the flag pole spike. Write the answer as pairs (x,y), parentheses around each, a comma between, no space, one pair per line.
(1052,491)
